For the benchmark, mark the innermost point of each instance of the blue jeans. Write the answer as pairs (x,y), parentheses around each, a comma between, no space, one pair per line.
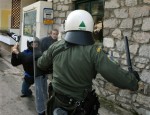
(25,88)
(41,93)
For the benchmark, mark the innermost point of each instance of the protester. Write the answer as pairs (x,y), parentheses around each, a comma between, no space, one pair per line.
(76,61)
(41,81)
(25,59)
(47,41)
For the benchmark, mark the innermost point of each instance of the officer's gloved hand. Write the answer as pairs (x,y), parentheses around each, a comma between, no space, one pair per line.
(39,72)
(136,75)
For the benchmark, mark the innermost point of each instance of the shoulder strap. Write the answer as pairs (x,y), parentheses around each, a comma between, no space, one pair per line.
(63,48)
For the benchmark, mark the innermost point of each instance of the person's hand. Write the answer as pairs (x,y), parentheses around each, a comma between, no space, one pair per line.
(14,49)
(141,86)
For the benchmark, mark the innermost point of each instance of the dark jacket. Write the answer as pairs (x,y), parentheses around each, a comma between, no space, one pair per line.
(46,42)
(74,69)
(26,59)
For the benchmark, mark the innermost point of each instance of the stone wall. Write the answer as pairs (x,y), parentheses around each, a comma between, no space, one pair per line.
(129,18)
(61,10)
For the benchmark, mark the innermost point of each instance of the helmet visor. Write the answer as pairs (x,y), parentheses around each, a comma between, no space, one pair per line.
(79,37)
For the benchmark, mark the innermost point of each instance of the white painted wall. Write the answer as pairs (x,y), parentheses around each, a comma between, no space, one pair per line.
(5,4)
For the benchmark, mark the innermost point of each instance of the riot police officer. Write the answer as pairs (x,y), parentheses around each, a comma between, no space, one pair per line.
(76,60)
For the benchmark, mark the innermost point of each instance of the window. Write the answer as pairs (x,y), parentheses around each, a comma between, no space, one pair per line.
(29,23)
(96,9)
(15,14)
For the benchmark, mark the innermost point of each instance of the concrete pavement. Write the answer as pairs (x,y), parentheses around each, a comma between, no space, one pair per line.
(10,85)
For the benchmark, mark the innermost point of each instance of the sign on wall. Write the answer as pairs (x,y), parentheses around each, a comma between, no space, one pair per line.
(48,16)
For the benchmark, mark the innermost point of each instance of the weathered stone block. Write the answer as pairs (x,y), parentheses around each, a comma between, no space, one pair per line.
(136,12)
(65,8)
(106,14)
(111,88)
(138,22)
(68,12)
(139,65)
(55,1)
(124,62)
(59,7)
(147,67)
(102,92)
(111,97)
(143,111)
(136,29)
(123,100)
(131,2)
(62,15)
(145,76)
(54,7)
(120,45)
(145,51)
(147,1)
(108,42)
(141,60)
(111,23)
(141,37)
(128,34)
(56,14)
(144,100)
(126,23)
(146,24)
(57,20)
(112,4)
(121,13)
(134,48)
(125,93)
(117,33)
(67,1)
(105,32)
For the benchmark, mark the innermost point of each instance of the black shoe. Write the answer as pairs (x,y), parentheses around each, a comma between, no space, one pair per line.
(23,95)
(42,113)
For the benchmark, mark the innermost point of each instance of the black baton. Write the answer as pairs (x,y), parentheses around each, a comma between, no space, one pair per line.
(128,54)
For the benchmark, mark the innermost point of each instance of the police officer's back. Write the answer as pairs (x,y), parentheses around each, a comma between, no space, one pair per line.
(76,61)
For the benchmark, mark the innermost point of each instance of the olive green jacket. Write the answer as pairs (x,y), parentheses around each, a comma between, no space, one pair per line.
(75,67)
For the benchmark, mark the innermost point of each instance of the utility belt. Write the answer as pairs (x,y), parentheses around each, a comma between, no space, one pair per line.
(66,99)
(89,106)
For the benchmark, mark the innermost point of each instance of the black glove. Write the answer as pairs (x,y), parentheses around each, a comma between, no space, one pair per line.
(39,72)
(136,75)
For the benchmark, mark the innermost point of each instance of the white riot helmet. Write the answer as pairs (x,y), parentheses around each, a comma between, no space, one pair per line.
(79,28)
